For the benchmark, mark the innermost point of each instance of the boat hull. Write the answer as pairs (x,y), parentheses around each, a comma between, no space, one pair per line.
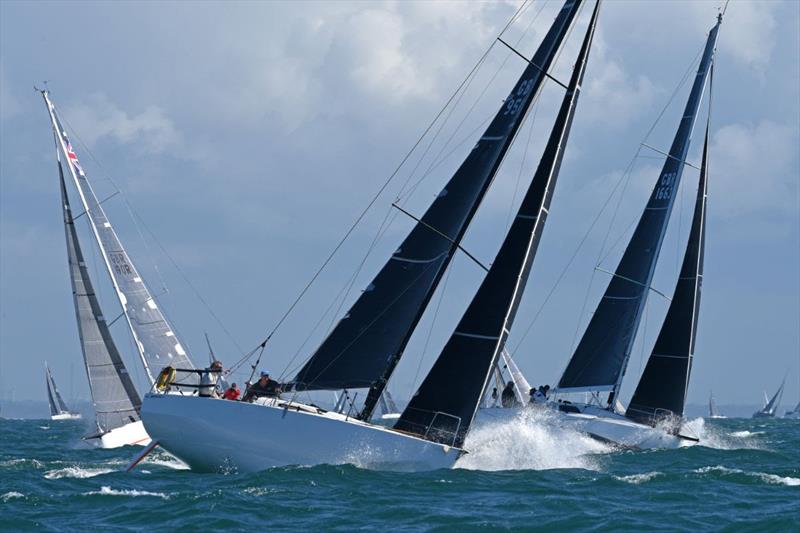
(132,434)
(66,416)
(210,434)
(605,426)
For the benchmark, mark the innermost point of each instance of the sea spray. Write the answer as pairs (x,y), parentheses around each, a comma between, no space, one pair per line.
(531,440)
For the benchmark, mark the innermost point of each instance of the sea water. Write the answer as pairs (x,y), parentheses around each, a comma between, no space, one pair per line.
(520,474)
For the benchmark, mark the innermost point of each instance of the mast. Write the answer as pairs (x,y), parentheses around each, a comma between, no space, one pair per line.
(662,389)
(444,406)
(114,395)
(600,360)
(364,348)
(155,340)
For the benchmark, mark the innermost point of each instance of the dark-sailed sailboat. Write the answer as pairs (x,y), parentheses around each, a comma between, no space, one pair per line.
(116,401)
(771,406)
(58,407)
(601,357)
(364,348)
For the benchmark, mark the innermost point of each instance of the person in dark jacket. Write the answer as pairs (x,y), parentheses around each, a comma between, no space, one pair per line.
(508,398)
(263,387)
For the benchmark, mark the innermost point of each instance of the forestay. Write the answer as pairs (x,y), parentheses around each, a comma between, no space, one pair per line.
(601,357)
(444,406)
(662,388)
(365,346)
(114,396)
(156,341)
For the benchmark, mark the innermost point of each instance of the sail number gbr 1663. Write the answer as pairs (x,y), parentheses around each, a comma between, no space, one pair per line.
(664,191)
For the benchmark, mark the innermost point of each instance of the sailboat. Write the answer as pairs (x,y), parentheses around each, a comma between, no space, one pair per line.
(58,407)
(771,404)
(713,411)
(116,401)
(654,416)
(794,413)
(362,351)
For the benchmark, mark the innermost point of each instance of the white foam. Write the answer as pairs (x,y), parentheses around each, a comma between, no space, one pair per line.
(11,495)
(77,472)
(108,491)
(745,434)
(530,441)
(768,478)
(636,479)
(714,437)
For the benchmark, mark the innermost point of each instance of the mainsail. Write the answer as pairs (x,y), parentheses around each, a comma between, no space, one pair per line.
(57,404)
(114,396)
(366,345)
(601,357)
(662,388)
(772,405)
(470,355)
(156,341)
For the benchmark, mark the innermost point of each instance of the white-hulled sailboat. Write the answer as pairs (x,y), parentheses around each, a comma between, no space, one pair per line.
(364,348)
(655,415)
(114,395)
(713,410)
(58,407)
(771,405)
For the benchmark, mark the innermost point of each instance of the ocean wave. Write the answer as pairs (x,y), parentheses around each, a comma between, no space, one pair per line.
(768,478)
(745,434)
(15,462)
(77,472)
(108,491)
(11,496)
(529,441)
(636,479)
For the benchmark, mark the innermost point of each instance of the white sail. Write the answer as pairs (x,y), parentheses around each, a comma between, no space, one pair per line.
(156,341)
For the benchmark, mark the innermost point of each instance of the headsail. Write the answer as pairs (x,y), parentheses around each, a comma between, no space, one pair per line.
(601,357)
(444,406)
(366,345)
(155,339)
(114,396)
(772,405)
(665,381)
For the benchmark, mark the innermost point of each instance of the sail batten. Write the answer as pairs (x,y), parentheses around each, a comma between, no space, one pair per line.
(601,357)
(444,405)
(365,346)
(114,395)
(154,338)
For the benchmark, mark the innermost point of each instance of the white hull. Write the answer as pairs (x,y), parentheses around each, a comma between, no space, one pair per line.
(132,434)
(598,423)
(66,416)
(211,434)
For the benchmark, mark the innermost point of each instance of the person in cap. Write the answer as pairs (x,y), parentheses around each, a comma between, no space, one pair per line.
(265,386)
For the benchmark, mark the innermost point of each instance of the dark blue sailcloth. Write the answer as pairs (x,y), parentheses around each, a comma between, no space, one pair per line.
(445,403)
(661,393)
(366,345)
(601,357)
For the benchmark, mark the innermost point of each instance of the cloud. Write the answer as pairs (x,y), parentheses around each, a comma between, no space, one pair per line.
(99,118)
(753,168)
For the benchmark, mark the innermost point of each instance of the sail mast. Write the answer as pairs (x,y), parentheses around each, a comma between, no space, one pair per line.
(155,340)
(466,363)
(364,348)
(600,360)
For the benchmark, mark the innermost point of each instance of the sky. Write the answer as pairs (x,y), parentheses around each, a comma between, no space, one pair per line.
(246,137)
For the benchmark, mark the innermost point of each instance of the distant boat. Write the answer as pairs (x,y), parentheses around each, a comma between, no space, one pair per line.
(794,413)
(771,405)
(713,412)
(58,407)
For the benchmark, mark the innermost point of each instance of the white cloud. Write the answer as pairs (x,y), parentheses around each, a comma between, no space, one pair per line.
(753,168)
(99,118)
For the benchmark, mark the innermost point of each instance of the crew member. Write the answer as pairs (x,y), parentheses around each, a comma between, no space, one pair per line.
(508,398)
(232,392)
(263,387)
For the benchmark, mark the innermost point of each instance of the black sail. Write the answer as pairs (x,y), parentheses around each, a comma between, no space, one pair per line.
(444,405)
(661,392)
(601,357)
(114,396)
(367,343)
